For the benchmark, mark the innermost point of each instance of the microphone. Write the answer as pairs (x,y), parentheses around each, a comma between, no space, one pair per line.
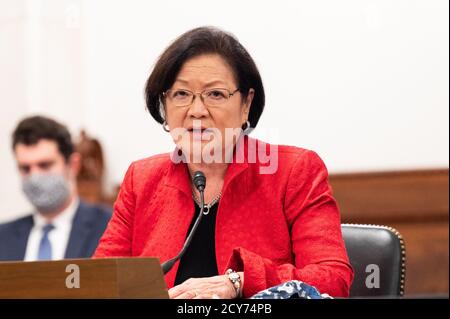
(199,181)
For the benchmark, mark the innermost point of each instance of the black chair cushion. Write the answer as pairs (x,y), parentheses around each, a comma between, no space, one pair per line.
(372,247)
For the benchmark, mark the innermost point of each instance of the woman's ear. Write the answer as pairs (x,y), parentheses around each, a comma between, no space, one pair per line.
(162,108)
(248,102)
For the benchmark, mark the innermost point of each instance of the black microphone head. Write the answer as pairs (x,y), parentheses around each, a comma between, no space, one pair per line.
(199,181)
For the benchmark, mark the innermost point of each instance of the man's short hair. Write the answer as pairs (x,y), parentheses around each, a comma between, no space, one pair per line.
(32,129)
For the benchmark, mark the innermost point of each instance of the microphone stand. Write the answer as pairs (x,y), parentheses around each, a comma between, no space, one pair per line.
(167,265)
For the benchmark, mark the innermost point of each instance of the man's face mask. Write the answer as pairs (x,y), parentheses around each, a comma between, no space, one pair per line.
(46,192)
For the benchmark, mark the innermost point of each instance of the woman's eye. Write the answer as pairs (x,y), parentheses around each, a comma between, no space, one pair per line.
(216,94)
(180,94)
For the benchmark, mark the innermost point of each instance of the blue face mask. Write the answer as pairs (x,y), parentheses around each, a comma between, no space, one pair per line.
(46,192)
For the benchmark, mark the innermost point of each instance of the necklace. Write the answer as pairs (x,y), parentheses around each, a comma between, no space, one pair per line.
(206,207)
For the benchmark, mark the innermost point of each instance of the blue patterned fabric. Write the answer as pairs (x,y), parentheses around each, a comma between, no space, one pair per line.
(291,290)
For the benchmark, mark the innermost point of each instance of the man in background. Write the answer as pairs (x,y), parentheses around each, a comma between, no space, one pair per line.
(61,226)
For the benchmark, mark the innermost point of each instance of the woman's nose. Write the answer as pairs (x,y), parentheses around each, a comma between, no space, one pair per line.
(198,108)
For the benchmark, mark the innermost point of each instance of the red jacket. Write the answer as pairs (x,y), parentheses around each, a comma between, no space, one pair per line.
(273,227)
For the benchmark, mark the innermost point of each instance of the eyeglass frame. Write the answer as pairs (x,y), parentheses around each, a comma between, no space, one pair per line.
(194,94)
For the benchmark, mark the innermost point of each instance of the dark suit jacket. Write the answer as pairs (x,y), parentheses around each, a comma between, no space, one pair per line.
(88,226)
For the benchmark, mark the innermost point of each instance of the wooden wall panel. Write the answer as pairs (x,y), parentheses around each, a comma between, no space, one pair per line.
(409,195)
(427,261)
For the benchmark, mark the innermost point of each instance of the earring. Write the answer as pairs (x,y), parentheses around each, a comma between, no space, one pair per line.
(246,126)
(165,127)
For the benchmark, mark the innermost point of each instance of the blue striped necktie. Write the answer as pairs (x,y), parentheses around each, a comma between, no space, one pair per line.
(45,247)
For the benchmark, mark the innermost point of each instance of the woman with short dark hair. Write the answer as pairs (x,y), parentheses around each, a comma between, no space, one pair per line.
(260,220)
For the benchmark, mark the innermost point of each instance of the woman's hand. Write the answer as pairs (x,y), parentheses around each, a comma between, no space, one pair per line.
(217,287)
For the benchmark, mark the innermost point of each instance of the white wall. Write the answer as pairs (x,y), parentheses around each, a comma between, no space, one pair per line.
(364,83)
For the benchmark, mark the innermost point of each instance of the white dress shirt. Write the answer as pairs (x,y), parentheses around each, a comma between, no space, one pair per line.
(58,237)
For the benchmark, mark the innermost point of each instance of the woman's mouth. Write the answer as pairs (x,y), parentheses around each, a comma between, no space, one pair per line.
(197,133)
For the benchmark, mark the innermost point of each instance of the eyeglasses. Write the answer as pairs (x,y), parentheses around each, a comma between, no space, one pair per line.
(209,97)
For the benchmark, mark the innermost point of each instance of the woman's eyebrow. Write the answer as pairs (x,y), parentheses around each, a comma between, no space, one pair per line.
(207,84)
